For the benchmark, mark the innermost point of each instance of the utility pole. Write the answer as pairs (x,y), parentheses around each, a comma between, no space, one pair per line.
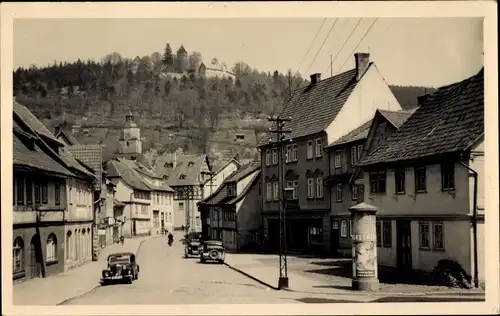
(280,142)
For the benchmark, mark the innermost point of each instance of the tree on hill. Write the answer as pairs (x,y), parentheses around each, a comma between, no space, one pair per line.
(168,57)
(194,60)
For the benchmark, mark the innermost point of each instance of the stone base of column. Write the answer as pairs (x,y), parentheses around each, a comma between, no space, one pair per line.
(371,284)
(283,283)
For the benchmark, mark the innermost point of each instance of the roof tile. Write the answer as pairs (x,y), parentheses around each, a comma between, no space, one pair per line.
(450,120)
(314,107)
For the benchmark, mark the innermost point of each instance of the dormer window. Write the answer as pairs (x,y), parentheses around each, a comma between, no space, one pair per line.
(231,189)
(182,176)
(168,165)
(165,177)
(190,163)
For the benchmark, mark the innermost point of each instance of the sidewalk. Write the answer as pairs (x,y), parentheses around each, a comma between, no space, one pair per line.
(304,276)
(75,282)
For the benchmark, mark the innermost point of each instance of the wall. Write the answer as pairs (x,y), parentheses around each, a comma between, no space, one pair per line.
(218,179)
(78,247)
(433,202)
(248,214)
(481,257)
(300,167)
(80,200)
(53,267)
(163,203)
(476,163)
(370,94)
(26,213)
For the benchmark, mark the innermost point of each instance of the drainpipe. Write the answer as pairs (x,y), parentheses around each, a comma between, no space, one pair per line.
(330,199)
(130,213)
(474,224)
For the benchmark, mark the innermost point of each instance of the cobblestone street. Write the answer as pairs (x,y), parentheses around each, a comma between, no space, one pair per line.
(166,277)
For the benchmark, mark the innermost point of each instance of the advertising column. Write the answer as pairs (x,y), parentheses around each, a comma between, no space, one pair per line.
(364,248)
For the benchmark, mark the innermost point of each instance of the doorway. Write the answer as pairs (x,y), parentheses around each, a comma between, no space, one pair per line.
(35,258)
(403,246)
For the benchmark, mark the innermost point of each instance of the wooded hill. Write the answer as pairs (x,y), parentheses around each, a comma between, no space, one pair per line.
(190,111)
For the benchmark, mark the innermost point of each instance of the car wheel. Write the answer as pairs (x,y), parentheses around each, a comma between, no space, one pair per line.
(129,280)
(202,260)
(137,276)
(214,254)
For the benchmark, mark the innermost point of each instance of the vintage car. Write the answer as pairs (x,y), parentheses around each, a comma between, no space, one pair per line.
(192,247)
(212,250)
(121,267)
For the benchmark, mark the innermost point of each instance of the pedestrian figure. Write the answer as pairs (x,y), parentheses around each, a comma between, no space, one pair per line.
(122,240)
(170,239)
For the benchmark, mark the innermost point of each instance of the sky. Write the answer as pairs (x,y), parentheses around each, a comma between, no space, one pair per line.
(408,51)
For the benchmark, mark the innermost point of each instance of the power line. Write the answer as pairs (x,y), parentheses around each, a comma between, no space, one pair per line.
(311,45)
(324,41)
(343,45)
(273,112)
(359,43)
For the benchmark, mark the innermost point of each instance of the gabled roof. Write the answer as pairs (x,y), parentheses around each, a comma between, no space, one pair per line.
(29,118)
(243,172)
(224,163)
(397,118)
(69,137)
(359,133)
(449,121)
(182,50)
(188,165)
(91,155)
(220,196)
(315,107)
(36,158)
(128,172)
(133,156)
(34,127)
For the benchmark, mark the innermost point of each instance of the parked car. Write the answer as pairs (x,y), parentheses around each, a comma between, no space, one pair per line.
(192,248)
(122,266)
(212,250)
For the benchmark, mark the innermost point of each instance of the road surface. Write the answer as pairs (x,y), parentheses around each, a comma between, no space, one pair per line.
(166,277)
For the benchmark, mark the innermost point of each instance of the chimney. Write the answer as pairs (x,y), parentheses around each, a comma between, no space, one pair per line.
(362,62)
(421,99)
(315,78)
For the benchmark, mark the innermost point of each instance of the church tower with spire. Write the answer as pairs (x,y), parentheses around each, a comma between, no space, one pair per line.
(130,139)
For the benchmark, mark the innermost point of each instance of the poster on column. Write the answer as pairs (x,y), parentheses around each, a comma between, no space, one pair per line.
(365,259)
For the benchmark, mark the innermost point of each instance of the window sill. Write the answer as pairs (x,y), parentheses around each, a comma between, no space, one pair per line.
(421,192)
(451,190)
(401,193)
(339,201)
(337,167)
(424,249)
(51,262)
(309,158)
(343,237)
(439,250)
(18,274)
(354,200)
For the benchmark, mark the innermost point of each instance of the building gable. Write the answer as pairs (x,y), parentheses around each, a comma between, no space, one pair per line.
(368,95)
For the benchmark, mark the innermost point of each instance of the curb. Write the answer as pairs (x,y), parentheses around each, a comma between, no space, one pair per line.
(347,292)
(98,285)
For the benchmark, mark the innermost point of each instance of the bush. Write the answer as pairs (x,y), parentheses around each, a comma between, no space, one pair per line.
(450,273)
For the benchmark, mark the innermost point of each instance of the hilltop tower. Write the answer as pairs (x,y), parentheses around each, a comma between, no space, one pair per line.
(130,138)
(182,59)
